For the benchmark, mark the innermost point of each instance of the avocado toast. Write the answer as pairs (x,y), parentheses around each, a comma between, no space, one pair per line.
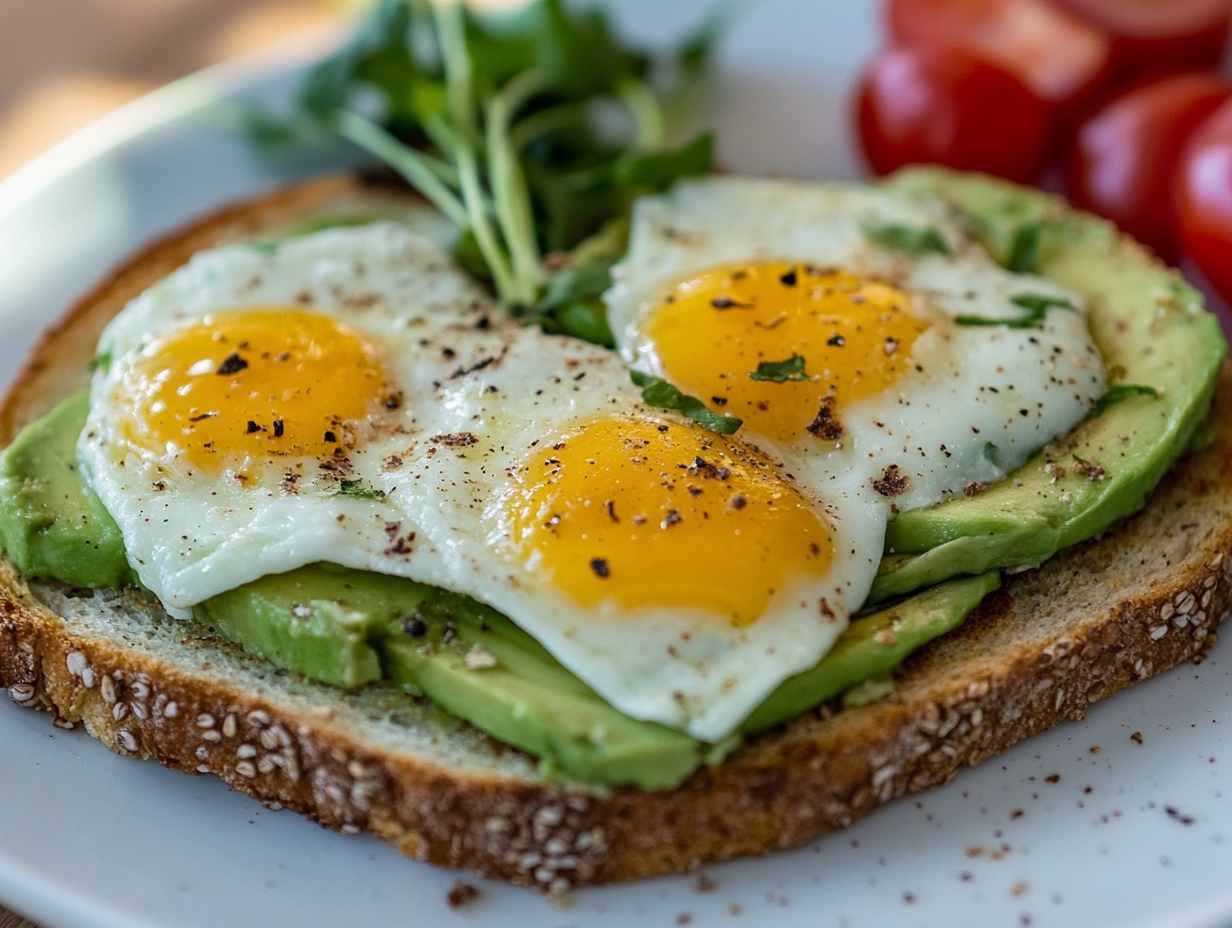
(377,759)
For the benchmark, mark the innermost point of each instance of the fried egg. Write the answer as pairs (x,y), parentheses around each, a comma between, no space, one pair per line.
(352,397)
(918,375)
(246,407)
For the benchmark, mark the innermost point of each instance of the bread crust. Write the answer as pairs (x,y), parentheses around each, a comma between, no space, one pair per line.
(1095,619)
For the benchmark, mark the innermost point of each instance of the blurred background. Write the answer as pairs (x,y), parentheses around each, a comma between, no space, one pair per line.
(65,63)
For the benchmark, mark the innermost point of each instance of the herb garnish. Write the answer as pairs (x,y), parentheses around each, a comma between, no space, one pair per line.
(1036,304)
(906,238)
(100,362)
(358,489)
(780,371)
(1122,391)
(662,395)
(1023,256)
(493,119)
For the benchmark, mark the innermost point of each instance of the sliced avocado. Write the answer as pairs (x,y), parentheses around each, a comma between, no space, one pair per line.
(479,666)
(348,627)
(319,621)
(1150,328)
(50,524)
(330,623)
(873,646)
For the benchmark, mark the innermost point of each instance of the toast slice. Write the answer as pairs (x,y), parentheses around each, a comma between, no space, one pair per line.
(1094,619)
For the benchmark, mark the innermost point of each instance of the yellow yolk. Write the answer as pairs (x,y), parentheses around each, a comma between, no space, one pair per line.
(647,514)
(854,336)
(251,384)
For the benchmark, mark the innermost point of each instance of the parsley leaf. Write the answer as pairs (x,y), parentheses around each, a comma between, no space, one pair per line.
(100,362)
(1041,303)
(780,371)
(662,395)
(1036,304)
(1023,257)
(906,238)
(1122,391)
(358,489)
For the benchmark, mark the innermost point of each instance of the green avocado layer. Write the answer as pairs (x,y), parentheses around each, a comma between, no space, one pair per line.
(347,628)
(50,525)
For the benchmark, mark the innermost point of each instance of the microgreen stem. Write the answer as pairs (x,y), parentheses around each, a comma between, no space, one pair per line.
(450,18)
(478,219)
(647,113)
(509,190)
(561,116)
(405,160)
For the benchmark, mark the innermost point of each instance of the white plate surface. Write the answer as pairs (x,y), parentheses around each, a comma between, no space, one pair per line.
(90,840)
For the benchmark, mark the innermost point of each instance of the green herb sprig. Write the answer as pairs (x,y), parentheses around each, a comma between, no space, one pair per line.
(359,489)
(499,122)
(780,371)
(907,238)
(1036,304)
(663,395)
(1023,256)
(1121,392)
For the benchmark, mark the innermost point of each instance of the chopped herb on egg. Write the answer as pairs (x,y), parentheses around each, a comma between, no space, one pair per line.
(662,395)
(906,238)
(1120,392)
(358,489)
(1023,255)
(780,371)
(1036,304)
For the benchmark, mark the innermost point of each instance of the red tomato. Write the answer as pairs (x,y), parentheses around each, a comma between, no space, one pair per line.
(1158,35)
(1204,199)
(926,104)
(1125,157)
(1060,57)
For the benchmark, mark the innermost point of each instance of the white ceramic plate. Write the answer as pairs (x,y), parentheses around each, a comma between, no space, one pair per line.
(91,840)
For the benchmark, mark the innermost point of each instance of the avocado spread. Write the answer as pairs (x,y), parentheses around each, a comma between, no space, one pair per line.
(349,628)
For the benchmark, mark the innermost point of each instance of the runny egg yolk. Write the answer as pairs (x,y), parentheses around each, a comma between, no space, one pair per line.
(251,384)
(843,337)
(646,514)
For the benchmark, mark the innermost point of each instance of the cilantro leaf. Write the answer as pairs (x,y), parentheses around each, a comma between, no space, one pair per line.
(1036,304)
(1023,257)
(780,371)
(662,395)
(1041,303)
(1120,392)
(358,489)
(906,238)
(659,170)
(579,282)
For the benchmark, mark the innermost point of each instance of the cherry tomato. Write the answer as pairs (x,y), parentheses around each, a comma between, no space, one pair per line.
(1153,36)
(924,104)
(1059,56)
(1125,157)
(1204,199)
